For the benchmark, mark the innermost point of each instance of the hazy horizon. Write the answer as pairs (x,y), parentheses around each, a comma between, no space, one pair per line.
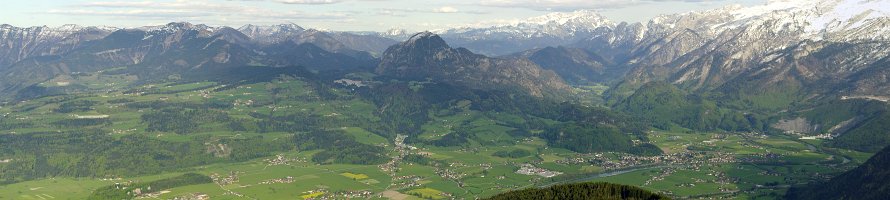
(337,15)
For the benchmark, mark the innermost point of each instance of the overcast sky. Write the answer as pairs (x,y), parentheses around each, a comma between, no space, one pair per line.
(343,15)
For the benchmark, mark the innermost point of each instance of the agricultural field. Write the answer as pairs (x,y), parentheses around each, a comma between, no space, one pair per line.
(476,173)
(763,166)
(243,137)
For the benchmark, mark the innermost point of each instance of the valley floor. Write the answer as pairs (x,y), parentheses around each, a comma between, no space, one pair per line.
(721,166)
(695,164)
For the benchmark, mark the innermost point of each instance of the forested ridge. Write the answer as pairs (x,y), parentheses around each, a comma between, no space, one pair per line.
(866,182)
(664,105)
(133,190)
(591,191)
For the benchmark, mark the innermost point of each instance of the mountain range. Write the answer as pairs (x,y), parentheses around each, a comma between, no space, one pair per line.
(734,102)
(782,57)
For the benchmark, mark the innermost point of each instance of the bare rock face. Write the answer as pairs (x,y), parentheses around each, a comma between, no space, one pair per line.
(797,125)
(554,29)
(17,43)
(267,35)
(426,56)
(826,47)
(575,65)
(157,48)
(349,44)
(369,43)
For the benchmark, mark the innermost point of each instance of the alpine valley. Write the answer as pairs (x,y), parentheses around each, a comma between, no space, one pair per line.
(786,100)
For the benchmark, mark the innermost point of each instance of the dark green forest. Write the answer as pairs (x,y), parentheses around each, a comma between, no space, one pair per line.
(866,182)
(592,191)
(131,190)
(665,105)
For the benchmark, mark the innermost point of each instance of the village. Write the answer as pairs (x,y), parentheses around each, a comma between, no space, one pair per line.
(528,169)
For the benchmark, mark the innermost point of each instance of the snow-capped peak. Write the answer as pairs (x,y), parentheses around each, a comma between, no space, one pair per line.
(395,32)
(810,19)
(820,19)
(272,28)
(178,26)
(554,25)
(421,35)
(771,6)
(589,17)
(846,15)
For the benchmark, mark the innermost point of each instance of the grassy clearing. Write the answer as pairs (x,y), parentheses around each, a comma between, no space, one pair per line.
(312,195)
(354,176)
(427,193)
(364,136)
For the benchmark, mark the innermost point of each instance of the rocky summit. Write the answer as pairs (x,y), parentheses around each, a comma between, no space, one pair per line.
(426,56)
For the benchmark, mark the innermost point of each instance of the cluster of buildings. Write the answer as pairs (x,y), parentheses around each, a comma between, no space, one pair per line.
(153,195)
(826,136)
(233,193)
(531,170)
(350,82)
(282,160)
(660,177)
(573,161)
(761,157)
(403,150)
(122,131)
(193,196)
(239,102)
(361,194)
(449,174)
(288,179)
(225,180)
(402,182)
(691,158)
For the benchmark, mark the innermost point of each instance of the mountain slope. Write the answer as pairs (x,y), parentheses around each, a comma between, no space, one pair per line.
(17,44)
(312,57)
(426,56)
(575,65)
(793,44)
(582,191)
(152,51)
(537,32)
(267,35)
(665,104)
(369,42)
(344,43)
(155,52)
(868,181)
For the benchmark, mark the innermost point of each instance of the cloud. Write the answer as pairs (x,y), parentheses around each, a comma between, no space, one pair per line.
(309,1)
(558,5)
(390,12)
(203,11)
(571,5)
(445,9)
(118,4)
(153,13)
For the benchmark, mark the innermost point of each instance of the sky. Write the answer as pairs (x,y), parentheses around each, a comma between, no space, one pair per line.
(339,15)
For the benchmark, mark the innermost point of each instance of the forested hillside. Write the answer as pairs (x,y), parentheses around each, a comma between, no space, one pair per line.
(665,106)
(605,191)
(734,102)
(866,182)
